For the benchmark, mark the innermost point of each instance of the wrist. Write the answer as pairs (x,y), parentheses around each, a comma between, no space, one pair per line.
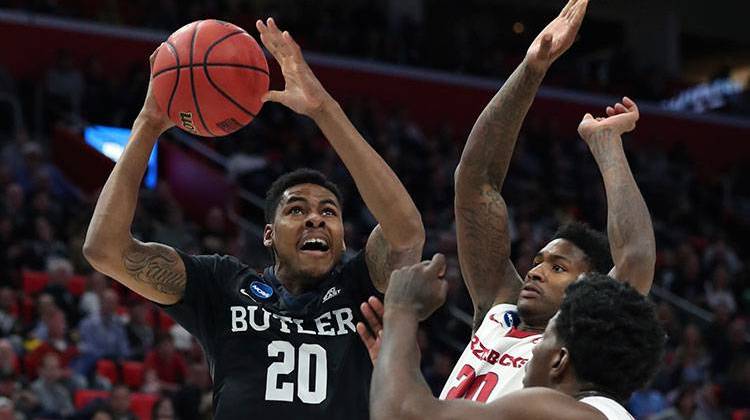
(535,67)
(397,312)
(328,106)
(152,123)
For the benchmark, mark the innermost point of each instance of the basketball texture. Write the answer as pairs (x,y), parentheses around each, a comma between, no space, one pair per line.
(209,78)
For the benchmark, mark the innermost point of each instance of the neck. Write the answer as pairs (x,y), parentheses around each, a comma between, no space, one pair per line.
(531,327)
(294,282)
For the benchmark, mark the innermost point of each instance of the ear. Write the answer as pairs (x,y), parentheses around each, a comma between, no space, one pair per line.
(559,365)
(268,236)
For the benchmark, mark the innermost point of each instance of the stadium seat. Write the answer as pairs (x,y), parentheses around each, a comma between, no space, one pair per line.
(34,281)
(107,369)
(132,374)
(141,405)
(85,396)
(165,321)
(77,285)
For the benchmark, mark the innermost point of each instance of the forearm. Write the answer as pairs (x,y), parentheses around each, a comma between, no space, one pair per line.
(489,148)
(380,188)
(629,228)
(398,389)
(109,230)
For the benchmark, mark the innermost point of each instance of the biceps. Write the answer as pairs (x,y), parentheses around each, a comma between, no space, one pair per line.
(154,271)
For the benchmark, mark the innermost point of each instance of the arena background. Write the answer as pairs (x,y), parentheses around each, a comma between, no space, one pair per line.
(412,75)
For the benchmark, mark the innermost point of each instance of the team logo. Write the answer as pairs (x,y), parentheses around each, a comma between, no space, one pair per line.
(332,292)
(186,118)
(259,290)
(510,319)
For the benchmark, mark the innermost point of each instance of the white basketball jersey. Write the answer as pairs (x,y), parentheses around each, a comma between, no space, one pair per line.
(609,407)
(493,363)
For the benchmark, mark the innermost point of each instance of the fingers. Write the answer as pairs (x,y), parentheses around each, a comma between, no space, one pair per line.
(566,10)
(280,44)
(436,265)
(620,108)
(588,116)
(578,11)
(365,335)
(273,96)
(377,305)
(374,319)
(610,111)
(631,105)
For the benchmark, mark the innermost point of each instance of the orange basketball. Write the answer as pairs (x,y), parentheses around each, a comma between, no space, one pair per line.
(209,77)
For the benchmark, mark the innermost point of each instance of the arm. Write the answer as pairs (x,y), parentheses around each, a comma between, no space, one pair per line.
(399,390)
(152,270)
(399,237)
(629,228)
(481,212)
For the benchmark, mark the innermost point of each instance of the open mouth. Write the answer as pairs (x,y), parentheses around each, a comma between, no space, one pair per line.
(318,245)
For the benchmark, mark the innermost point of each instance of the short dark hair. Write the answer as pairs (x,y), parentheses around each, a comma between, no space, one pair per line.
(290,179)
(612,333)
(592,242)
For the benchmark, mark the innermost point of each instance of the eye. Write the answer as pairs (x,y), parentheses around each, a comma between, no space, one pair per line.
(558,268)
(295,211)
(329,212)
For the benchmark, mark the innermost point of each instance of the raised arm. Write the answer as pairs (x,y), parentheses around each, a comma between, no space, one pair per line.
(399,237)
(399,391)
(154,271)
(631,235)
(481,212)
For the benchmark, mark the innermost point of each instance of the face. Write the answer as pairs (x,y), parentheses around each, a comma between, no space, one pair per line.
(120,400)
(165,410)
(547,359)
(307,234)
(556,266)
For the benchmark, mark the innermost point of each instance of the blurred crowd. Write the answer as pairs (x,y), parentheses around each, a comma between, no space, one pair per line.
(479,38)
(57,340)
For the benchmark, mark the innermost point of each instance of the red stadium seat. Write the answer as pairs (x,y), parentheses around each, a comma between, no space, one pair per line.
(107,369)
(165,321)
(77,285)
(85,396)
(141,405)
(34,281)
(132,374)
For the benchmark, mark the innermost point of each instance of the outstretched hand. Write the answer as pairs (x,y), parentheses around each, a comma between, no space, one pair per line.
(556,37)
(151,110)
(420,288)
(621,118)
(302,92)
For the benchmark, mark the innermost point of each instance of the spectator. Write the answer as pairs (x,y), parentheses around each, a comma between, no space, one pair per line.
(169,365)
(60,271)
(163,409)
(91,299)
(9,324)
(119,403)
(58,342)
(194,400)
(54,397)
(140,333)
(9,364)
(102,336)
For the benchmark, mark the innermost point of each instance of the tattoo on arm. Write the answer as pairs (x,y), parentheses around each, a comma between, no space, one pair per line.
(382,260)
(156,267)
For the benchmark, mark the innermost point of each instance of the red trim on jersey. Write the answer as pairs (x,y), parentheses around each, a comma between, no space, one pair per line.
(516,333)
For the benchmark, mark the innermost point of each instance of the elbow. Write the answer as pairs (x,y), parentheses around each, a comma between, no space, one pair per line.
(99,256)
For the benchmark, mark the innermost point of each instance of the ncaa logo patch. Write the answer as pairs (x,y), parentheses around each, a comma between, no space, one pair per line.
(510,319)
(261,290)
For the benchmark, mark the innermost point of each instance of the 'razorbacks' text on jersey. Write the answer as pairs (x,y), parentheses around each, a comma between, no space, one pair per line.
(273,355)
(492,365)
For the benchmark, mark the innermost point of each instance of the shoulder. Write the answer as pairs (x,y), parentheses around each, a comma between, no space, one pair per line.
(503,315)
(543,403)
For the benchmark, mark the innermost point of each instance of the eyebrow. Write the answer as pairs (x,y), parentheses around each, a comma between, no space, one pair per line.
(553,257)
(298,198)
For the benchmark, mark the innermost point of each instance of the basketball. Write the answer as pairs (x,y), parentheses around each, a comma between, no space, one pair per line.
(209,78)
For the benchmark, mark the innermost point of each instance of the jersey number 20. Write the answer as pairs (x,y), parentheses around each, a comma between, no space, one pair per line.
(307,392)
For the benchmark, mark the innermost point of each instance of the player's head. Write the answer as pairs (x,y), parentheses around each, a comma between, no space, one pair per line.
(304,227)
(605,338)
(575,249)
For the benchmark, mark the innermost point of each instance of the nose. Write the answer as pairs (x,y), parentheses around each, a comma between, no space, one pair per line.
(314,220)
(536,273)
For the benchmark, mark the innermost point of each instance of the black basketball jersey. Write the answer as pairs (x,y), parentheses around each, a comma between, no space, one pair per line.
(273,355)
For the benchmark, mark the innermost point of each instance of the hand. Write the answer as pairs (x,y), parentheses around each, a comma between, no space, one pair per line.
(557,37)
(419,288)
(302,92)
(620,119)
(372,333)
(151,111)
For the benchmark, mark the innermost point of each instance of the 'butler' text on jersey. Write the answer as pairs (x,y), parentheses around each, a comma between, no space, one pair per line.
(274,355)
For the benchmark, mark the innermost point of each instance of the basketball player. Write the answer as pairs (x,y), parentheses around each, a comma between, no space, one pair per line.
(281,344)
(604,343)
(510,315)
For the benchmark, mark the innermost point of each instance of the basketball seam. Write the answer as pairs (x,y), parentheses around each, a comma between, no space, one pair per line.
(210,80)
(192,79)
(173,50)
(187,66)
